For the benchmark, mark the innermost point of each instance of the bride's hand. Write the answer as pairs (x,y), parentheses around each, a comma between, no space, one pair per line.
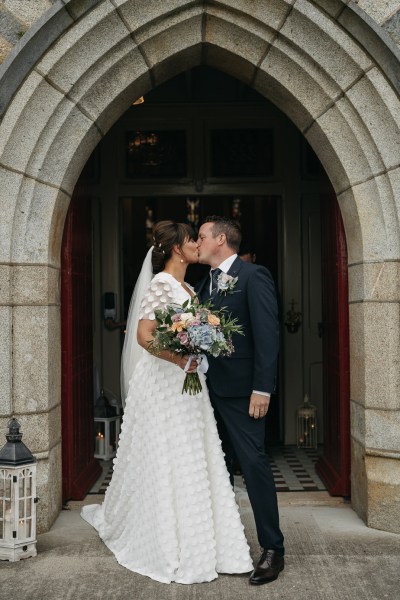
(182,362)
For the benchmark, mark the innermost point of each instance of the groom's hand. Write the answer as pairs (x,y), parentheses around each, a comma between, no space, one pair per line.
(258,405)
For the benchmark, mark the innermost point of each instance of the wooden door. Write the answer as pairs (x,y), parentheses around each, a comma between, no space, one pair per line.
(334,464)
(80,469)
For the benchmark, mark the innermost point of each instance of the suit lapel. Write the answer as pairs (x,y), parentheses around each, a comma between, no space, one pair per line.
(235,267)
(219,300)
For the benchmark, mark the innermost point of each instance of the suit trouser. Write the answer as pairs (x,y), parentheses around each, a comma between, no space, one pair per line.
(246,435)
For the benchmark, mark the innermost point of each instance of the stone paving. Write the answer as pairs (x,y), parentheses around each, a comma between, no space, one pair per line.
(330,555)
(324,63)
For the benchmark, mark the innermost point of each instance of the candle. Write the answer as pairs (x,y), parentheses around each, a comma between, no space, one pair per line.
(100,443)
(21,529)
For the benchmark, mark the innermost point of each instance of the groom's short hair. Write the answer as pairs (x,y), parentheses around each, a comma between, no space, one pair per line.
(229,227)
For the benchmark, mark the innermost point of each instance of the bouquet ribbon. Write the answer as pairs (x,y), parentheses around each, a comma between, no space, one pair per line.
(202,367)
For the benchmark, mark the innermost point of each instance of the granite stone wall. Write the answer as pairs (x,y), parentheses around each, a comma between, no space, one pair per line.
(75,73)
(17,16)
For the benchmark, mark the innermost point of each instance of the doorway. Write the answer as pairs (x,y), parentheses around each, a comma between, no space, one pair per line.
(203,143)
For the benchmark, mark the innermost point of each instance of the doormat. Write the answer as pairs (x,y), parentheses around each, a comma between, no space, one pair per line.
(293,470)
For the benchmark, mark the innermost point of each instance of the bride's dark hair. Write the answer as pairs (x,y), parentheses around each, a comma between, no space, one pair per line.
(166,235)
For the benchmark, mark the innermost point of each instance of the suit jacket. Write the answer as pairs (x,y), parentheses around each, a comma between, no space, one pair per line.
(252,366)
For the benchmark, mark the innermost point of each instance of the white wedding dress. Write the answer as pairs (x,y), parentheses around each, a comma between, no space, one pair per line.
(170,511)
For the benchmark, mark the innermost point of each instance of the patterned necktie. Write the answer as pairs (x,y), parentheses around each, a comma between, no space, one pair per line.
(214,280)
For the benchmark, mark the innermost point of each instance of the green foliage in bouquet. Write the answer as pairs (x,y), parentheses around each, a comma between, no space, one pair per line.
(193,329)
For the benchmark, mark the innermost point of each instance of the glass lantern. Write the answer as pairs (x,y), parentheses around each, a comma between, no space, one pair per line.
(17,498)
(307,425)
(107,427)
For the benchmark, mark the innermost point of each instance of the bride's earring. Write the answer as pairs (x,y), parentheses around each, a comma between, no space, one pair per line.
(181,259)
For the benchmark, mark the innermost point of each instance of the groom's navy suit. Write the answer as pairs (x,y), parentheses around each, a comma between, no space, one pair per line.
(231,381)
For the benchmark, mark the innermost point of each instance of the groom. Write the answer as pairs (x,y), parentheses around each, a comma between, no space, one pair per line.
(240,385)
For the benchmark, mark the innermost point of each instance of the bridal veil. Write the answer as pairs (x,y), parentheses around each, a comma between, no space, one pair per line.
(132,351)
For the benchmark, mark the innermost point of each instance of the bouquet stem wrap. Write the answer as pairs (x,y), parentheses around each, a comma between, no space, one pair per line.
(192,384)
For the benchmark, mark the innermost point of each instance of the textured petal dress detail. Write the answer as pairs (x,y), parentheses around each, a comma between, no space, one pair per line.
(170,511)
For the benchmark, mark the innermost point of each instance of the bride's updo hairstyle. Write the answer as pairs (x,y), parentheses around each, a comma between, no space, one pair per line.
(166,235)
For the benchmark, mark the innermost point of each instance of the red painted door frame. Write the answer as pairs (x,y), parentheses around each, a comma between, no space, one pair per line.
(334,465)
(80,468)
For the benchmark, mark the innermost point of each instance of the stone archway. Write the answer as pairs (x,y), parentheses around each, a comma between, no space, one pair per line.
(322,63)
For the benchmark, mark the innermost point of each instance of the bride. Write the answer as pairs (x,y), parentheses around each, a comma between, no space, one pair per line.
(169,511)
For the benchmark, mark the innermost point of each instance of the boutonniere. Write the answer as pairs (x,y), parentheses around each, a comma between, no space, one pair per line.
(226,283)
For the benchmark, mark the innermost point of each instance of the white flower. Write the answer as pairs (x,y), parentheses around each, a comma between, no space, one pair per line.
(184,317)
(226,283)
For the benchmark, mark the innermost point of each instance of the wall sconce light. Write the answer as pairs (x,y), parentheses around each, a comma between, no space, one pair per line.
(138,101)
(293,319)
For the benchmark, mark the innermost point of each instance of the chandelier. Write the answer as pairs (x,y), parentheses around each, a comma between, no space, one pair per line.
(142,140)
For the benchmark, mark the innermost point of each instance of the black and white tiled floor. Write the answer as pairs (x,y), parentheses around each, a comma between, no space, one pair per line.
(102,483)
(293,469)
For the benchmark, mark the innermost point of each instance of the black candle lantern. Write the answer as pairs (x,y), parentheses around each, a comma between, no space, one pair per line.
(17,497)
(307,425)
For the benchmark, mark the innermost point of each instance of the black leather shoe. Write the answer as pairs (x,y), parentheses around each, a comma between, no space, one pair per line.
(268,568)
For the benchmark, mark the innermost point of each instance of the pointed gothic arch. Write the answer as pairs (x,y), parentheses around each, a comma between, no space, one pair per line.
(324,64)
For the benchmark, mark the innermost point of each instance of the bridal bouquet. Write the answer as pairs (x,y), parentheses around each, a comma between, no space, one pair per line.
(194,330)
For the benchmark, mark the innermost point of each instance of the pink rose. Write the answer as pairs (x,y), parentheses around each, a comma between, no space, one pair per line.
(183,338)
